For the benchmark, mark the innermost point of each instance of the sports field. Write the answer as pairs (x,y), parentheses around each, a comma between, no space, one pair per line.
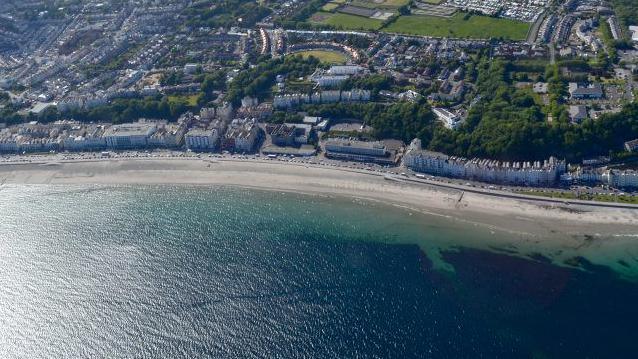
(346,21)
(330,57)
(477,27)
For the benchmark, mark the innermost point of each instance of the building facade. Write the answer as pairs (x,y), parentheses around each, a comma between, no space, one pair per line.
(130,135)
(536,173)
(199,139)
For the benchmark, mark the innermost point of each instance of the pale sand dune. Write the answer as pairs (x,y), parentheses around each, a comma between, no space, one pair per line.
(539,220)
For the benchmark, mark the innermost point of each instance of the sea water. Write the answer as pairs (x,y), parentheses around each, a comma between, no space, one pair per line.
(168,271)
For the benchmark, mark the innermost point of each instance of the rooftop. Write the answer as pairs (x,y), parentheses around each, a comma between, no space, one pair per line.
(130,129)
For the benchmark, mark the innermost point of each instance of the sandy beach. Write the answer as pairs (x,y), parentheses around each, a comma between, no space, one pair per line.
(525,217)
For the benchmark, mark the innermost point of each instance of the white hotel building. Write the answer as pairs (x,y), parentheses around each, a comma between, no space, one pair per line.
(326,96)
(200,139)
(621,179)
(129,135)
(536,173)
(449,119)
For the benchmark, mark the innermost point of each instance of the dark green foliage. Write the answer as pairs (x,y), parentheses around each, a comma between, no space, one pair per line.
(225,13)
(214,81)
(626,10)
(285,117)
(172,78)
(297,20)
(257,81)
(129,110)
(507,124)
(404,121)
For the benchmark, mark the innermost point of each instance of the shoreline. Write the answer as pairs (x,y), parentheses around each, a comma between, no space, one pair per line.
(447,183)
(530,217)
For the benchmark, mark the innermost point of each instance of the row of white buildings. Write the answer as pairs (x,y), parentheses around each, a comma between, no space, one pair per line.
(526,11)
(546,173)
(335,75)
(242,135)
(327,96)
(75,136)
(239,135)
(610,177)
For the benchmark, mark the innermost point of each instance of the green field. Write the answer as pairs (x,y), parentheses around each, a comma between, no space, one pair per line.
(190,100)
(346,21)
(330,6)
(330,57)
(478,27)
(625,198)
(381,4)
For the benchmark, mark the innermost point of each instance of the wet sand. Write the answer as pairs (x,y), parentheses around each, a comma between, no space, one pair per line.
(535,219)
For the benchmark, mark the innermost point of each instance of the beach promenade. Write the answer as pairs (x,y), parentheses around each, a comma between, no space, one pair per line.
(526,215)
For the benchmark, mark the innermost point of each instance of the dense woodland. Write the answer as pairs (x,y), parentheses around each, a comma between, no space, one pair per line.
(508,124)
(404,121)
(626,10)
(298,19)
(258,81)
(226,13)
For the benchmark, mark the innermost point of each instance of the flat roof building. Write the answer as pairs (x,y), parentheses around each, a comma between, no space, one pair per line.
(129,135)
(593,91)
(201,139)
(360,151)
(449,119)
(632,145)
(529,173)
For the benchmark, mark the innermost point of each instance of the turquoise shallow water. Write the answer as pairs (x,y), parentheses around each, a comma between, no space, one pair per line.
(94,271)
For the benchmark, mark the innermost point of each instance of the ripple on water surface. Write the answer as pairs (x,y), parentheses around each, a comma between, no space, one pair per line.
(191,271)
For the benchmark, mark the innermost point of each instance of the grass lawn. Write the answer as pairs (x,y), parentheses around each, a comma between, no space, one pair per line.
(299,86)
(478,27)
(330,57)
(346,21)
(190,100)
(330,6)
(381,4)
(586,197)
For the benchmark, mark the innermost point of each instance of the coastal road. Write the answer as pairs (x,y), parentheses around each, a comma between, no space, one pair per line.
(522,197)
(42,161)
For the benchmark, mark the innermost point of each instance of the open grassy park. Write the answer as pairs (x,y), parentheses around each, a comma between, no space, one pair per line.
(346,21)
(330,57)
(476,26)
(460,25)
(380,4)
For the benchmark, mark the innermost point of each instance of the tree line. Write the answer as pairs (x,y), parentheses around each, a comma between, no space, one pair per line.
(508,124)
(403,120)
